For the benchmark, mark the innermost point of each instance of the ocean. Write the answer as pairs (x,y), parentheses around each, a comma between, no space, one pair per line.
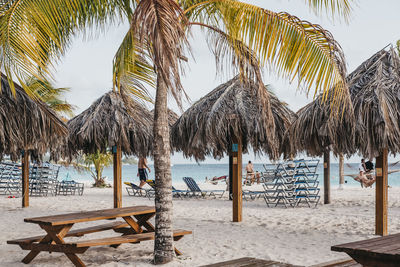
(200,171)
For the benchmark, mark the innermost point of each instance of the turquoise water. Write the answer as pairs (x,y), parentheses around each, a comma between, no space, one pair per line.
(200,171)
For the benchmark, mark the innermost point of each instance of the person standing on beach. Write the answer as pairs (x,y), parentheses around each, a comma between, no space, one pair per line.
(142,172)
(249,172)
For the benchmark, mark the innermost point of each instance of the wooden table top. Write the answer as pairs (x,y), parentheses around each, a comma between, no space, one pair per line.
(387,247)
(95,215)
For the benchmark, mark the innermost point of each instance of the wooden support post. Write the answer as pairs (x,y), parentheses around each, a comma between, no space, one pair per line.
(341,171)
(230,181)
(117,176)
(327,181)
(25,178)
(237,179)
(381,194)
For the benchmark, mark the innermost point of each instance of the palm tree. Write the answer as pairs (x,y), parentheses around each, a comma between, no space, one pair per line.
(50,95)
(99,161)
(35,33)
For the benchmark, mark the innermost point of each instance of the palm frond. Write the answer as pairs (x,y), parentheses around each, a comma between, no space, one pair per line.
(159,25)
(341,8)
(132,69)
(294,48)
(34,34)
(45,91)
(233,53)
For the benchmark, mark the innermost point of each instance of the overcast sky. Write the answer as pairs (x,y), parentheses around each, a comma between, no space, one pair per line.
(87,67)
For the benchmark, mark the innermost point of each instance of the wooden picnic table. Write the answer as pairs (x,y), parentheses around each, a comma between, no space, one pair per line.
(380,251)
(134,228)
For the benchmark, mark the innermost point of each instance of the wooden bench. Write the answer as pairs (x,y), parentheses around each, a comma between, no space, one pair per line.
(135,228)
(75,233)
(82,246)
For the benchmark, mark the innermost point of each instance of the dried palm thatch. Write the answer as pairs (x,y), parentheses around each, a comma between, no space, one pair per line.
(26,124)
(371,125)
(172,117)
(316,129)
(229,111)
(375,93)
(112,119)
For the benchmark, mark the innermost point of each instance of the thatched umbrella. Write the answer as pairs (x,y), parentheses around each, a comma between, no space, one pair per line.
(28,126)
(375,93)
(374,89)
(114,120)
(228,120)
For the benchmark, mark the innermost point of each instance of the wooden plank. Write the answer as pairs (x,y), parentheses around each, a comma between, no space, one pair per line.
(347,262)
(77,232)
(365,242)
(25,178)
(65,248)
(117,177)
(327,180)
(381,194)
(135,226)
(230,262)
(237,179)
(91,215)
(247,262)
(124,239)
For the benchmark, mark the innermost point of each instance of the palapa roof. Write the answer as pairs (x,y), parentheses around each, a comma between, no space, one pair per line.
(369,126)
(112,119)
(375,93)
(316,130)
(27,124)
(231,110)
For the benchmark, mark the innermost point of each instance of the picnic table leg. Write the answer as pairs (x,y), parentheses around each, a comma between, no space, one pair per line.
(177,252)
(143,220)
(45,240)
(57,237)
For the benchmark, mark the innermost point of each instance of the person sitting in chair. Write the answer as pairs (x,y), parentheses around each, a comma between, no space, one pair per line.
(361,176)
(369,167)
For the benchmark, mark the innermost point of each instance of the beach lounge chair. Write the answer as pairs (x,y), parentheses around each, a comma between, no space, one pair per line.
(175,192)
(135,190)
(66,187)
(194,189)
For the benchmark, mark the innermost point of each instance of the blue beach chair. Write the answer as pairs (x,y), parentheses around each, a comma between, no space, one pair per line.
(194,189)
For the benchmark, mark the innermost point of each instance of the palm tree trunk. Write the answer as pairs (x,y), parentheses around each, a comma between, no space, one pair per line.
(341,171)
(163,244)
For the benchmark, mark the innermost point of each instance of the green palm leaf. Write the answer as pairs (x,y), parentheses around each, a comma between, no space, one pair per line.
(292,47)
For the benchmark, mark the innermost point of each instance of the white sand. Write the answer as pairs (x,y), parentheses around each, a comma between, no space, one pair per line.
(299,236)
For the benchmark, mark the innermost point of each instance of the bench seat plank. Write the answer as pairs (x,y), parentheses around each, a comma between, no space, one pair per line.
(77,232)
(247,262)
(124,239)
(88,216)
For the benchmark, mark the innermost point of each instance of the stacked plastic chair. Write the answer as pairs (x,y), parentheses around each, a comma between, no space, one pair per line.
(292,183)
(10,178)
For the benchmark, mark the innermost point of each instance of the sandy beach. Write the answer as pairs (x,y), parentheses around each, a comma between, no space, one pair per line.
(300,236)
